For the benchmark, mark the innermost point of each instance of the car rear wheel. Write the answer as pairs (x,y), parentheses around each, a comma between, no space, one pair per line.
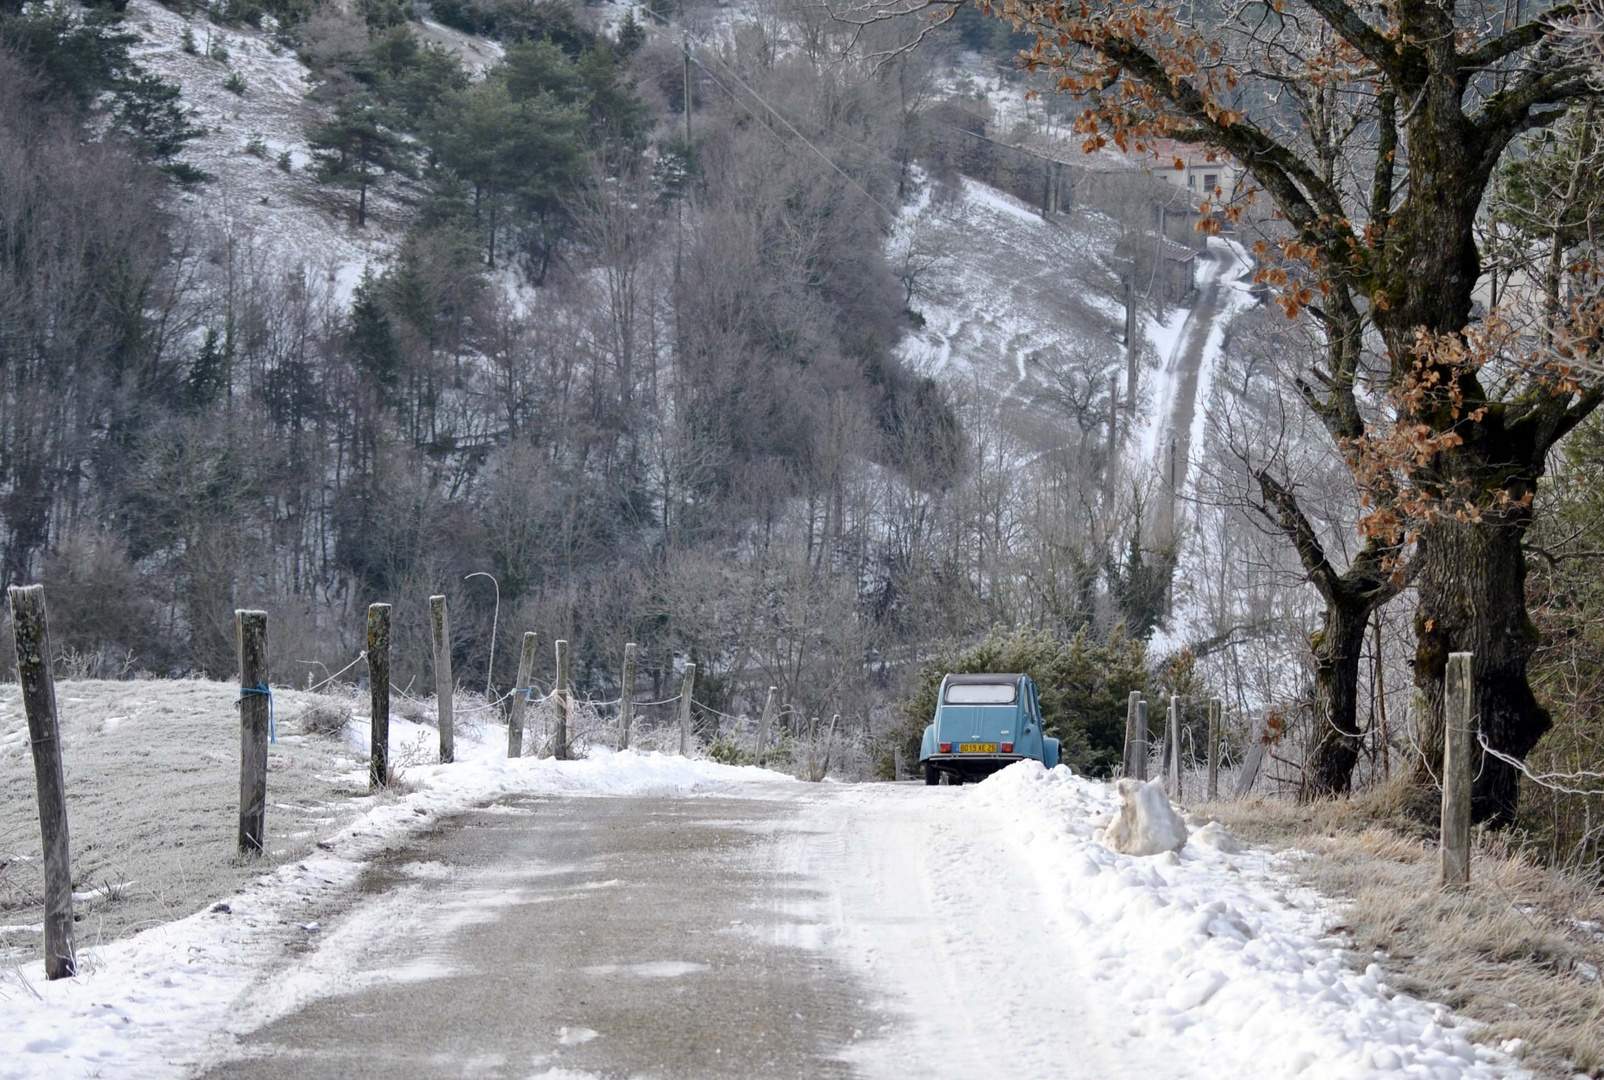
(932,775)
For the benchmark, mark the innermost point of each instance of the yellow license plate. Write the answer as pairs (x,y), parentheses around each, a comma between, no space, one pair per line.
(977,748)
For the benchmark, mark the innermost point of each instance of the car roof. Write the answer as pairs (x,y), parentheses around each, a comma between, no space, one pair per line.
(1000,677)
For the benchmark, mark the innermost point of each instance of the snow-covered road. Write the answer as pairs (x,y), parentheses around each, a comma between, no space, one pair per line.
(1011,943)
(644,916)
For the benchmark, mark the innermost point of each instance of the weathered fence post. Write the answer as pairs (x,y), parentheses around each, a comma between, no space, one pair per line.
(1457,771)
(379,696)
(255,714)
(686,688)
(559,695)
(1174,738)
(444,685)
(520,696)
(32,637)
(1140,749)
(763,725)
(1215,706)
(626,696)
(1129,767)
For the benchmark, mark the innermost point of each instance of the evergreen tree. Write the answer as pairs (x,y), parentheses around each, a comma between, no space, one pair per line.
(631,35)
(208,375)
(526,154)
(149,110)
(353,148)
(371,341)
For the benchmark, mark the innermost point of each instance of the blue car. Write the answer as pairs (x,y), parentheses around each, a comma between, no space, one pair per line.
(984,723)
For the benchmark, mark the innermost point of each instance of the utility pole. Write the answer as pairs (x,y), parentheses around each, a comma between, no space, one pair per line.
(1130,342)
(685,48)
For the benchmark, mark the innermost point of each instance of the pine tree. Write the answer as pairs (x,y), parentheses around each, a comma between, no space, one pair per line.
(208,375)
(631,35)
(372,340)
(353,147)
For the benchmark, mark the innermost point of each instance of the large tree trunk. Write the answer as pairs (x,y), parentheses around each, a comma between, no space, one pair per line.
(1473,599)
(1338,647)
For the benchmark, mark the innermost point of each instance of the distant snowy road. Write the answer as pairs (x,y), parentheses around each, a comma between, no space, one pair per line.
(1182,382)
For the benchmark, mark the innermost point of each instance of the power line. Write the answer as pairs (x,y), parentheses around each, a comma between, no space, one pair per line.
(773,112)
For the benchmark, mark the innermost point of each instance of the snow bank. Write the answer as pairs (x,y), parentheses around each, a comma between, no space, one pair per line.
(1214,949)
(150,1005)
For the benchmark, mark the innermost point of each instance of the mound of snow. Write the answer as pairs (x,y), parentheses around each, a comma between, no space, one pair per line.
(1146,823)
(1217,836)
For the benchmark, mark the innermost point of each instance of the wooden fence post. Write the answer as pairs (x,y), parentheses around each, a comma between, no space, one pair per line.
(379,696)
(763,725)
(520,695)
(444,685)
(1129,768)
(686,689)
(626,696)
(255,712)
(31,631)
(559,695)
(1140,748)
(1458,771)
(1215,706)
(1175,746)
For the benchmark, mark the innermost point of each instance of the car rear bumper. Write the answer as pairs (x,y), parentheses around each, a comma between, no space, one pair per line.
(973,763)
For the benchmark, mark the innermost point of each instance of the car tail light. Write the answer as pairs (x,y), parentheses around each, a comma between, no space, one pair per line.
(946,748)
(1008,748)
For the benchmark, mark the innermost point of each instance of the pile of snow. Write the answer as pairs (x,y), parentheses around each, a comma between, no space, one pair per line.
(1217,950)
(146,1005)
(1146,823)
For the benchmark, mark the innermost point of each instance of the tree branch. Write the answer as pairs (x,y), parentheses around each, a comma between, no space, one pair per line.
(1295,524)
(1522,37)
(1352,28)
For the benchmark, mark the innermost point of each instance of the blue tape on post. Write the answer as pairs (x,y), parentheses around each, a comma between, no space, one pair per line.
(262,690)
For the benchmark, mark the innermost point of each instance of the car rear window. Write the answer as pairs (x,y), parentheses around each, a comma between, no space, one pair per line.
(981,693)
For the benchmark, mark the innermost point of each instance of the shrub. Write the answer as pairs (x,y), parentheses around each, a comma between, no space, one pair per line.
(235,83)
(324,717)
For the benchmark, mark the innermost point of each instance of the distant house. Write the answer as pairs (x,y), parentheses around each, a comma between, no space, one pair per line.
(1199,175)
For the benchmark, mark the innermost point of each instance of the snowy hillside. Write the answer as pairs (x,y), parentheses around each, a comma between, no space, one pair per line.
(1006,296)
(262,197)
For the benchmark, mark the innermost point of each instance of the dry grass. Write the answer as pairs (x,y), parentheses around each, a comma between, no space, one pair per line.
(1521,950)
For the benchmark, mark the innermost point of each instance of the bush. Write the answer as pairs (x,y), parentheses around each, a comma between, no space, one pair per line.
(325,718)
(1083,683)
(235,83)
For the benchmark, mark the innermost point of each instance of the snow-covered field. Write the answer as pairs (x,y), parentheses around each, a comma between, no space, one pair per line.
(145,1005)
(1017,945)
